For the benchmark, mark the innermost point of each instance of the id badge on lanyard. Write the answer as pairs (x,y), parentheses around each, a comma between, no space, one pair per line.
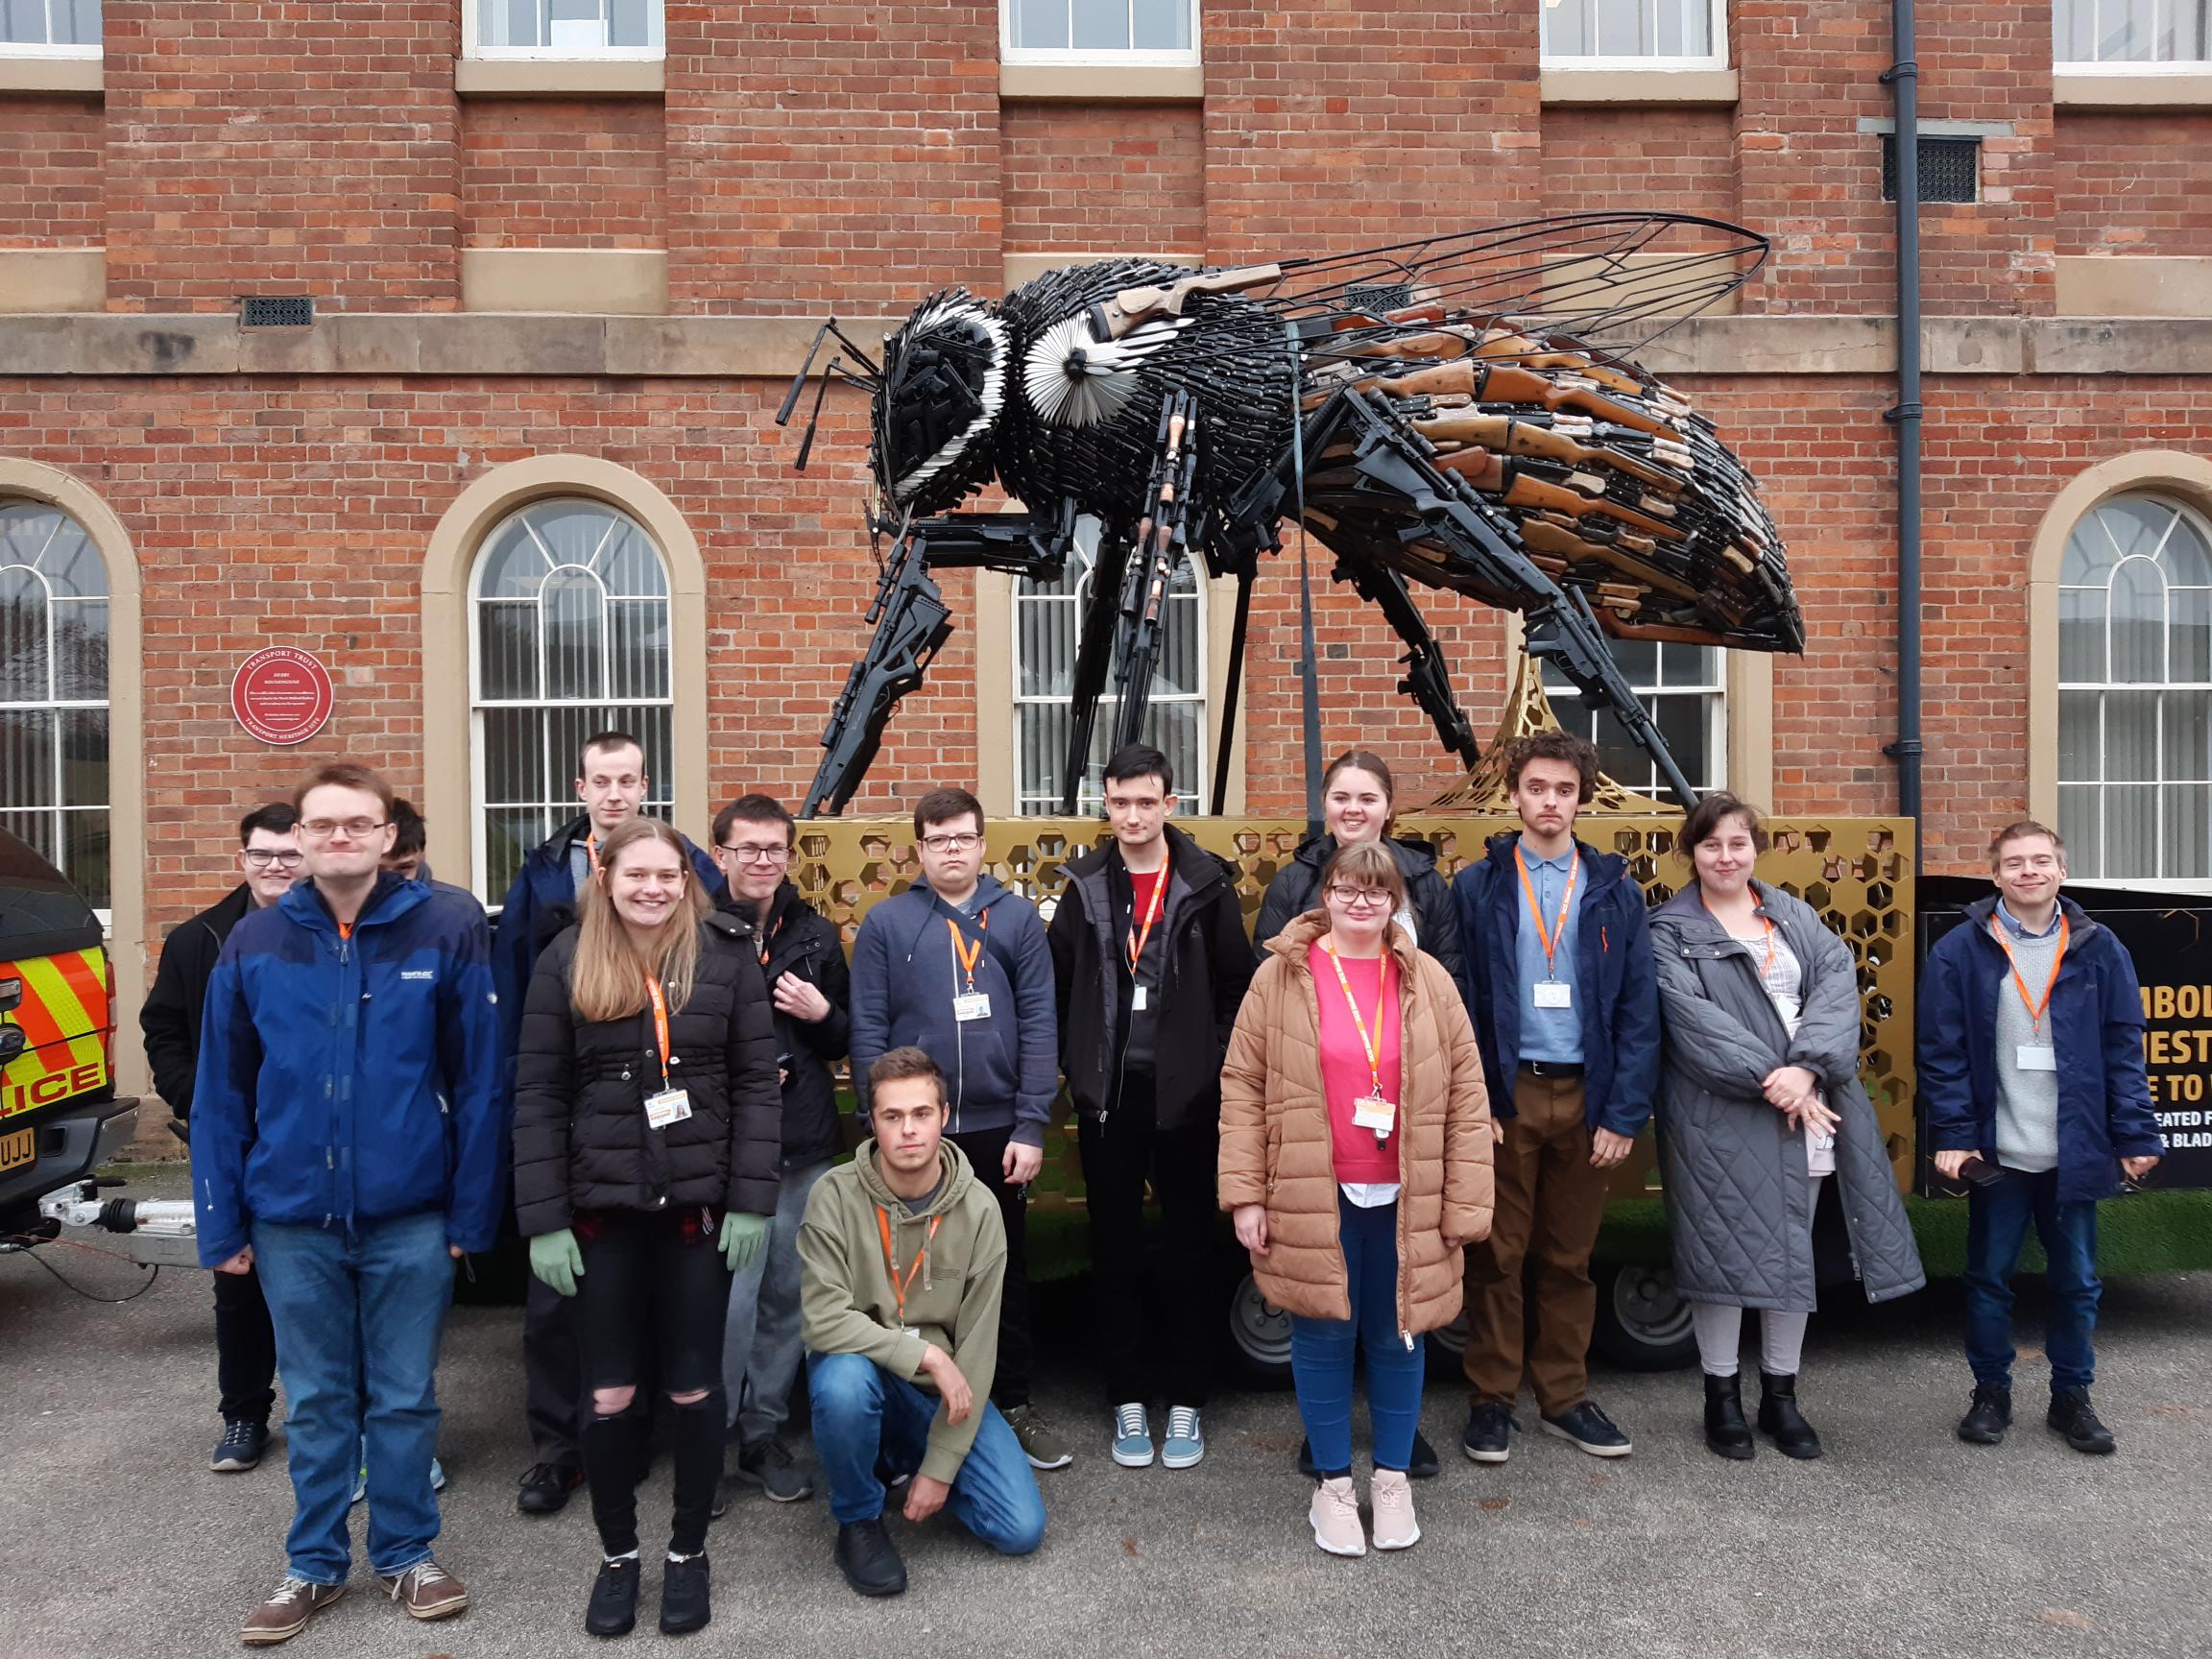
(670,1105)
(971,1004)
(1550,991)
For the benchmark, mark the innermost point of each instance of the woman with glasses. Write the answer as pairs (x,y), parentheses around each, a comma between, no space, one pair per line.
(1356,1158)
(1761,1121)
(645,1170)
(1359,805)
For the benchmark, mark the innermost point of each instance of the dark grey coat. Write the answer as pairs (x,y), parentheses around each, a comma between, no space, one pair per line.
(1735,1186)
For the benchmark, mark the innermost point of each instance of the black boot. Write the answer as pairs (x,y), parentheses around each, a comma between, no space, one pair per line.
(1726,1433)
(683,1605)
(1780,1420)
(1988,1417)
(614,1608)
(2072,1416)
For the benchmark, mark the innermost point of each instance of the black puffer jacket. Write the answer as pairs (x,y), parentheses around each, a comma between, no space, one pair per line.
(800,940)
(1297,889)
(581,1138)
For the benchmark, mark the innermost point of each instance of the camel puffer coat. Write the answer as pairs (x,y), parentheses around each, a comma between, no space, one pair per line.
(1276,1147)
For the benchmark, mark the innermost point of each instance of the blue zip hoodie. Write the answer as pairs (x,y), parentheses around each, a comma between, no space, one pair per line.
(2096,1016)
(349,1080)
(1001,1071)
(1617,992)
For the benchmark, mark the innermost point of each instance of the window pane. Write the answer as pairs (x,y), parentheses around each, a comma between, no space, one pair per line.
(2186,557)
(640,631)
(2189,644)
(2077,825)
(1099,25)
(23,22)
(2185,753)
(1689,665)
(81,650)
(1041,23)
(69,562)
(1567,28)
(571,609)
(1622,31)
(2131,735)
(1044,645)
(1685,723)
(2187,848)
(85,32)
(2080,759)
(630,564)
(2138,623)
(2130,833)
(636,23)
(23,655)
(2081,635)
(1161,26)
(507,650)
(84,756)
(511,565)
(27,757)
(2073,31)
(86,855)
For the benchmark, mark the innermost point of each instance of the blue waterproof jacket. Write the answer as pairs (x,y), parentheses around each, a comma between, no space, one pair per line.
(349,1080)
(997,1071)
(2096,1021)
(1616,992)
(541,906)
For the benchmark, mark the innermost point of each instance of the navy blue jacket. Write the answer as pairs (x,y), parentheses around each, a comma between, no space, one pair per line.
(541,906)
(2096,1017)
(997,1071)
(345,1080)
(1614,991)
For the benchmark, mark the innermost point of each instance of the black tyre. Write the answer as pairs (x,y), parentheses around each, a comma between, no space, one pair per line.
(1642,1324)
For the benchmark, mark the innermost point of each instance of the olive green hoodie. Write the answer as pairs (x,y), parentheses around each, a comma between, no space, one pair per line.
(850,1306)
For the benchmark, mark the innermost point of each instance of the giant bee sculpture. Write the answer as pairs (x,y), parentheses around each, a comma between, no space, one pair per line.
(1458,412)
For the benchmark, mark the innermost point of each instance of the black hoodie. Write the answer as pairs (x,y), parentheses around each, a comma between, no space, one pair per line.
(170,1016)
(1297,889)
(799,939)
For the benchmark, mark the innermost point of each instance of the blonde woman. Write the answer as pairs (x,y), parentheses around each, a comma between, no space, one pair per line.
(646,1148)
(1356,1160)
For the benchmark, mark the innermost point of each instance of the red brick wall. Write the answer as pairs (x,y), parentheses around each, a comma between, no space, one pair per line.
(2134,184)
(258,146)
(1104,177)
(1662,161)
(1986,62)
(562,173)
(819,155)
(50,189)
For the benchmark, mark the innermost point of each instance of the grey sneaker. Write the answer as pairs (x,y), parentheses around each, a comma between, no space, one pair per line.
(1185,1441)
(1043,1449)
(768,1466)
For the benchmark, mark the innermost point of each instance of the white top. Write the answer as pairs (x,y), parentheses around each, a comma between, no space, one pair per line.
(1784,980)
(1369,1194)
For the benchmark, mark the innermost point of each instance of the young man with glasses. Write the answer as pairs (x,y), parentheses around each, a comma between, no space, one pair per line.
(803,960)
(348,1143)
(1151,962)
(1555,964)
(958,967)
(269,859)
(541,904)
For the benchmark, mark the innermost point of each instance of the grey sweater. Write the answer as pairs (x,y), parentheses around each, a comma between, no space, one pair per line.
(2027,1101)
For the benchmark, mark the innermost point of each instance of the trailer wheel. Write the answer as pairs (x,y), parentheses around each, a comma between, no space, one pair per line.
(1260,1334)
(1643,1322)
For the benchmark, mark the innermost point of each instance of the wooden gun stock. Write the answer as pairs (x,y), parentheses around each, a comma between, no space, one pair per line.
(1508,383)
(1111,318)
(1512,436)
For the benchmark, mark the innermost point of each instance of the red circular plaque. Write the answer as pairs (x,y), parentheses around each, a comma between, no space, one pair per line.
(281,694)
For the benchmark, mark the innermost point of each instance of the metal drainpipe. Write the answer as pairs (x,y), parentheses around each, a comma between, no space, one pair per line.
(1902,77)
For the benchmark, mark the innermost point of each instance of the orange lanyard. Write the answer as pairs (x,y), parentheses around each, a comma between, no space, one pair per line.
(1549,936)
(1136,940)
(2034,1008)
(900,1285)
(967,952)
(659,1023)
(1371,1046)
(1765,966)
(591,852)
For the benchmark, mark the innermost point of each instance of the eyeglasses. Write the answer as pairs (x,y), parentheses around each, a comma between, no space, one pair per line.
(261,857)
(746,853)
(1360,898)
(956,843)
(323,829)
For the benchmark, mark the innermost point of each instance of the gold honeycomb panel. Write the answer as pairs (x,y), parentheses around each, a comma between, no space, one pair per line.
(1856,871)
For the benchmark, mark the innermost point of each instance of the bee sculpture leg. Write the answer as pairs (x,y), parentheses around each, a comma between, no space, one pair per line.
(1384,501)
(1428,677)
(1092,655)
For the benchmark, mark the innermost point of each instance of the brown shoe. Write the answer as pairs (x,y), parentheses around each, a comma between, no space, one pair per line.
(427,1590)
(286,1612)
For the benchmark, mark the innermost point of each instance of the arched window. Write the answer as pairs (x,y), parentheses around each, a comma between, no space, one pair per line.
(2135,692)
(54,691)
(569,631)
(1047,630)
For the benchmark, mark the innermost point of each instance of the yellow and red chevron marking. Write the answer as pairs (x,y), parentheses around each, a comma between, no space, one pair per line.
(66,1023)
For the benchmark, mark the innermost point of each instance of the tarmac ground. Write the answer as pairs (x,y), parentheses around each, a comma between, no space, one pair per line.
(1901,1540)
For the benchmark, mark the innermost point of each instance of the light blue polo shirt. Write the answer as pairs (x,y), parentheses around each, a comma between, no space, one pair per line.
(1554,1034)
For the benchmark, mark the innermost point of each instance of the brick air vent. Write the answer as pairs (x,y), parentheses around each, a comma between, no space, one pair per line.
(1949,169)
(276,311)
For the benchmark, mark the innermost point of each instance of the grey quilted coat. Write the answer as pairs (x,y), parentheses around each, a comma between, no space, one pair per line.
(1735,1186)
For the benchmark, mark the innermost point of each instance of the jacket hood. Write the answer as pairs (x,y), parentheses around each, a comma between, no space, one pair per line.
(1185,856)
(1293,942)
(1605,868)
(2079,924)
(954,1176)
(391,897)
(1415,857)
(231,908)
(553,850)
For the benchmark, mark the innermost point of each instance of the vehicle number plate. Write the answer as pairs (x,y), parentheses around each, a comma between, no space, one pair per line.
(18,1147)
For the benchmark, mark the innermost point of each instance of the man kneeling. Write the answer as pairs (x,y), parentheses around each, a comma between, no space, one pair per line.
(901,1254)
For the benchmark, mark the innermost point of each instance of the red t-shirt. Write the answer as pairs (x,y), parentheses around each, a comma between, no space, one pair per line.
(1345,1076)
(1140,888)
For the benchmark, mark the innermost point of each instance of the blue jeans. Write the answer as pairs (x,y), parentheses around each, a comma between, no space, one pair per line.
(1997,1218)
(864,1413)
(357,1317)
(761,1345)
(1321,1350)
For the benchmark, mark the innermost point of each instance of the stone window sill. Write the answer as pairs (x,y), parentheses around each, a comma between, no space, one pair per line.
(560,77)
(1669,88)
(2162,91)
(1103,83)
(52,77)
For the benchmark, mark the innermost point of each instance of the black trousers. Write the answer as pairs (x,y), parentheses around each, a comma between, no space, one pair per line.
(986,1151)
(245,1348)
(652,1301)
(1133,1311)
(552,1377)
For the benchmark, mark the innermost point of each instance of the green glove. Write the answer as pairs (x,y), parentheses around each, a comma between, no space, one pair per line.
(557,1260)
(742,1237)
